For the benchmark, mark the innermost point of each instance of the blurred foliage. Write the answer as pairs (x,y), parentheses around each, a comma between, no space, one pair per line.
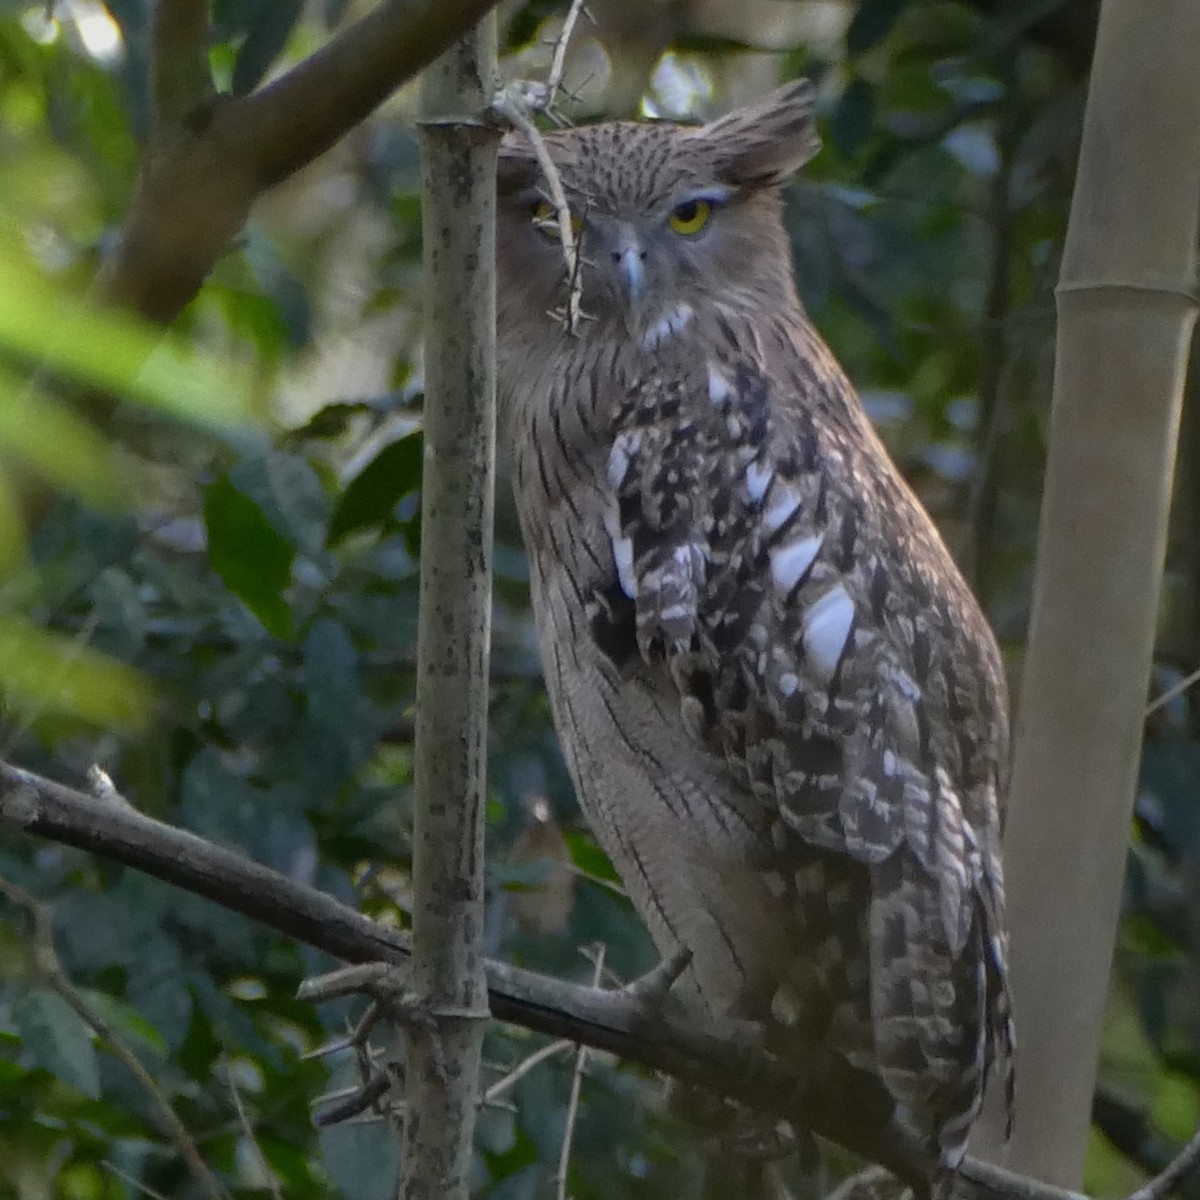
(219,604)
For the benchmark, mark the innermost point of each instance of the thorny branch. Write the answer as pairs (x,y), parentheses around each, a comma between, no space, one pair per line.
(612,1021)
(516,105)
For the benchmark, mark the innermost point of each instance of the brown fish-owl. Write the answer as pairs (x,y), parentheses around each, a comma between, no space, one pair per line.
(782,709)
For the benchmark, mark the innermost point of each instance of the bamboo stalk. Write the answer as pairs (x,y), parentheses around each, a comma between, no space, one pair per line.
(449,991)
(1126,308)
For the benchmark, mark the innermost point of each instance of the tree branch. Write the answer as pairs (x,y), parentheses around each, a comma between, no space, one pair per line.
(210,157)
(302,113)
(618,1022)
(180,81)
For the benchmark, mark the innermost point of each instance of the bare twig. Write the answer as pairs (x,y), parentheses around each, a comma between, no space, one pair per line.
(248,1131)
(559,61)
(516,105)
(1184,1164)
(1176,689)
(513,106)
(527,1064)
(564,1155)
(136,1184)
(49,970)
(358,1099)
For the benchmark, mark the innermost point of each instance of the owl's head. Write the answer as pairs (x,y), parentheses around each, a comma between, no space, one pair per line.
(667,215)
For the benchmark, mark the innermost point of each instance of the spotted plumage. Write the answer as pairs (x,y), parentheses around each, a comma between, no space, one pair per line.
(781,707)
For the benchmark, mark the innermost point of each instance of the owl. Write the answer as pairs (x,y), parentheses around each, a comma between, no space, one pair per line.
(782,710)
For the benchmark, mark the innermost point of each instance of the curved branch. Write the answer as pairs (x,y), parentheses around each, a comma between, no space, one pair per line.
(298,116)
(615,1021)
(180,80)
(210,157)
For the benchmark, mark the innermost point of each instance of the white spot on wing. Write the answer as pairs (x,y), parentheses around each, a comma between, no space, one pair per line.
(784,503)
(907,688)
(623,557)
(622,552)
(790,561)
(719,388)
(826,628)
(624,448)
(758,479)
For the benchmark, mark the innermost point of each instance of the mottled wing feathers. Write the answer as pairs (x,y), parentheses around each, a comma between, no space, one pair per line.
(771,565)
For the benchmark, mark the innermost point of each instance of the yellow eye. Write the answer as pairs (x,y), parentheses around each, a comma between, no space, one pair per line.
(690,217)
(545,220)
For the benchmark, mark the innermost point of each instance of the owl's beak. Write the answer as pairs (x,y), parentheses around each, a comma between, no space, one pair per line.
(630,261)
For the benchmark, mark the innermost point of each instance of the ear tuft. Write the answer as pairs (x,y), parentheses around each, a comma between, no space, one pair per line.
(763,144)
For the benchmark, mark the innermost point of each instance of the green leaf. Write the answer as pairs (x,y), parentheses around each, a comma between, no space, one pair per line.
(1176,1107)
(520,1155)
(590,859)
(853,116)
(269,30)
(371,496)
(122,1017)
(59,445)
(58,1039)
(871,24)
(249,554)
(330,422)
(46,674)
(116,351)
(290,494)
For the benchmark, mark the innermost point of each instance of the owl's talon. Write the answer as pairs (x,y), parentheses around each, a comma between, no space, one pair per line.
(651,990)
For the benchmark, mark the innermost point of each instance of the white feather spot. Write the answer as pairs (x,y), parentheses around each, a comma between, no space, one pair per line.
(791,561)
(622,552)
(826,628)
(673,322)
(788,683)
(758,479)
(618,465)
(785,501)
(785,1005)
(623,557)
(719,388)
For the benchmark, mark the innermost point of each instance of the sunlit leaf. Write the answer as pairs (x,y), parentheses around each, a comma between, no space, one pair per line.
(62,447)
(13,542)
(47,674)
(117,352)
